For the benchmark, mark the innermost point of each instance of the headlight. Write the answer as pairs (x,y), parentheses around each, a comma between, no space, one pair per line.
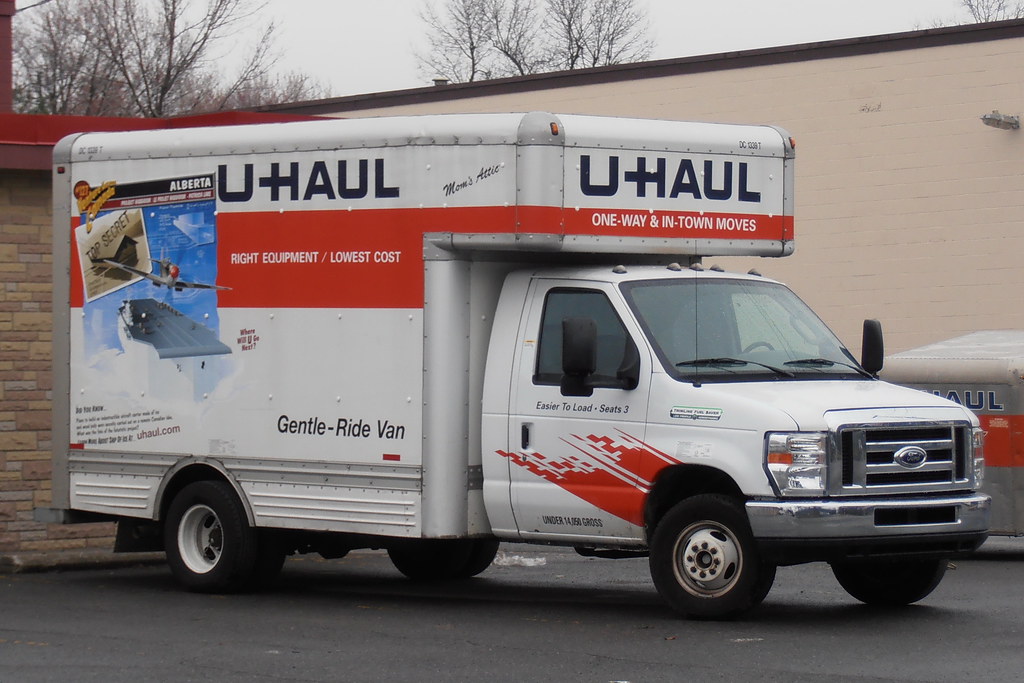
(979,456)
(797,461)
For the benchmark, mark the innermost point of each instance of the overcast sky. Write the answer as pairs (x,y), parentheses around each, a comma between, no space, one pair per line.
(364,46)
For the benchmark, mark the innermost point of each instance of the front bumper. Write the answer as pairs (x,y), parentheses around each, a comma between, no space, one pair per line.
(804,530)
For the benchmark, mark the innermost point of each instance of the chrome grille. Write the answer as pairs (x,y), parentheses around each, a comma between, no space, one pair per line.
(872,454)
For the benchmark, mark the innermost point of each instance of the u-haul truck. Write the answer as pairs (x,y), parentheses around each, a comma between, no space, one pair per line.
(984,372)
(431,334)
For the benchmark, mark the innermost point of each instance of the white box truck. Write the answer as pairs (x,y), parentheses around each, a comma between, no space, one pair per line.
(431,334)
(984,372)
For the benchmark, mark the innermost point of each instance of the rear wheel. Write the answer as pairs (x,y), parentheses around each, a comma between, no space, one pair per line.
(210,546)
(891,583)
(443,559)
(704,560)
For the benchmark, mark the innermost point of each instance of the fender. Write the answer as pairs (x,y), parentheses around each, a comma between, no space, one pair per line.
(178,476)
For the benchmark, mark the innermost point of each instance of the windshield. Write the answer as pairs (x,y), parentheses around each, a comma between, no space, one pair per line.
(728,330)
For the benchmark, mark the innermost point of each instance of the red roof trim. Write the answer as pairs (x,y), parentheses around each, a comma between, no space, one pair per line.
(26,139)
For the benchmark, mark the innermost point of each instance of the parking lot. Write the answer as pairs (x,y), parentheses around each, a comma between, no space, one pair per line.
(538,614)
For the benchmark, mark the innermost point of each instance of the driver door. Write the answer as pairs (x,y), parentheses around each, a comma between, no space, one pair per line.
(573,458)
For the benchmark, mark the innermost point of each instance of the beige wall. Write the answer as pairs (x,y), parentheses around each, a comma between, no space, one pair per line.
(908,208)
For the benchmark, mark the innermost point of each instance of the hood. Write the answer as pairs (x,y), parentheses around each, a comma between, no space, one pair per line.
(813,405)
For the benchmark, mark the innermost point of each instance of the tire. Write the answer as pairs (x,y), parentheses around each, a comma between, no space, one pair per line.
(889,583)
(443,559)
(705,562)
(210,546)
(481,555)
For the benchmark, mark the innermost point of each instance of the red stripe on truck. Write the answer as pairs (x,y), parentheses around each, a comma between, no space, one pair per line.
(373,258)
(1004,440)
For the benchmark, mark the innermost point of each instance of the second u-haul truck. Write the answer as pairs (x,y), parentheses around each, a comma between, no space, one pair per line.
(984,372)
(432,334)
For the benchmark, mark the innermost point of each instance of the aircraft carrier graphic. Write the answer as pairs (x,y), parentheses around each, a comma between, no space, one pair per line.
(169,331)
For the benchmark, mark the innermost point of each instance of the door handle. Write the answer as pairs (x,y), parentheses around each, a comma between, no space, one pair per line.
(524,436)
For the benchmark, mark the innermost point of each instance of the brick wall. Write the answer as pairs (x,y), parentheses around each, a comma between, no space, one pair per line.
(26,372)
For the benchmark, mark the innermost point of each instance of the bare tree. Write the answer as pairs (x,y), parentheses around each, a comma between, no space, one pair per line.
(270,89)
(993,10)
(160,52)
(473,39)
(56,69)
(150,58)
(460,38)
(588,33)
(516,25)
(565,26)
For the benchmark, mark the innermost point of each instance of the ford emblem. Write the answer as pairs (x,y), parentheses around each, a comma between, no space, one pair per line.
(911,457)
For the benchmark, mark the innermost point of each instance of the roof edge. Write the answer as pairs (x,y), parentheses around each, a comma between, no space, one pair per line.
(890,42)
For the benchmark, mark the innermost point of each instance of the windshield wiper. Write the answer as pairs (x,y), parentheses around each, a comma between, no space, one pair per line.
(826,363)
(724,361)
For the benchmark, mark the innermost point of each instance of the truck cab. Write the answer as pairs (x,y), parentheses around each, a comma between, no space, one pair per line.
(670,408)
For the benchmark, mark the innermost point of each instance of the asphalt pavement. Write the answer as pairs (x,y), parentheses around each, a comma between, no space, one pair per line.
(538,613)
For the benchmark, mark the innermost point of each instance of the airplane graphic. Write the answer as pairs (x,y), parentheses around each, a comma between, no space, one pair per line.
(168,276)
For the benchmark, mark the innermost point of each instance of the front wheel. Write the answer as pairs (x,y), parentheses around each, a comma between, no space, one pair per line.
(210,546)
(705,562)
(889,583)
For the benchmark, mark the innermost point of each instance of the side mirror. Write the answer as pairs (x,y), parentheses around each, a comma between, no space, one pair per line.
(872,350)
(579,355)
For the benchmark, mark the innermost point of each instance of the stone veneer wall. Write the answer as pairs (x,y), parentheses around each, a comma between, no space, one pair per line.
(26,372)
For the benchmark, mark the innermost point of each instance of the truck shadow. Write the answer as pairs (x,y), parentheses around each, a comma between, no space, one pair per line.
(369,583)
(552,597)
